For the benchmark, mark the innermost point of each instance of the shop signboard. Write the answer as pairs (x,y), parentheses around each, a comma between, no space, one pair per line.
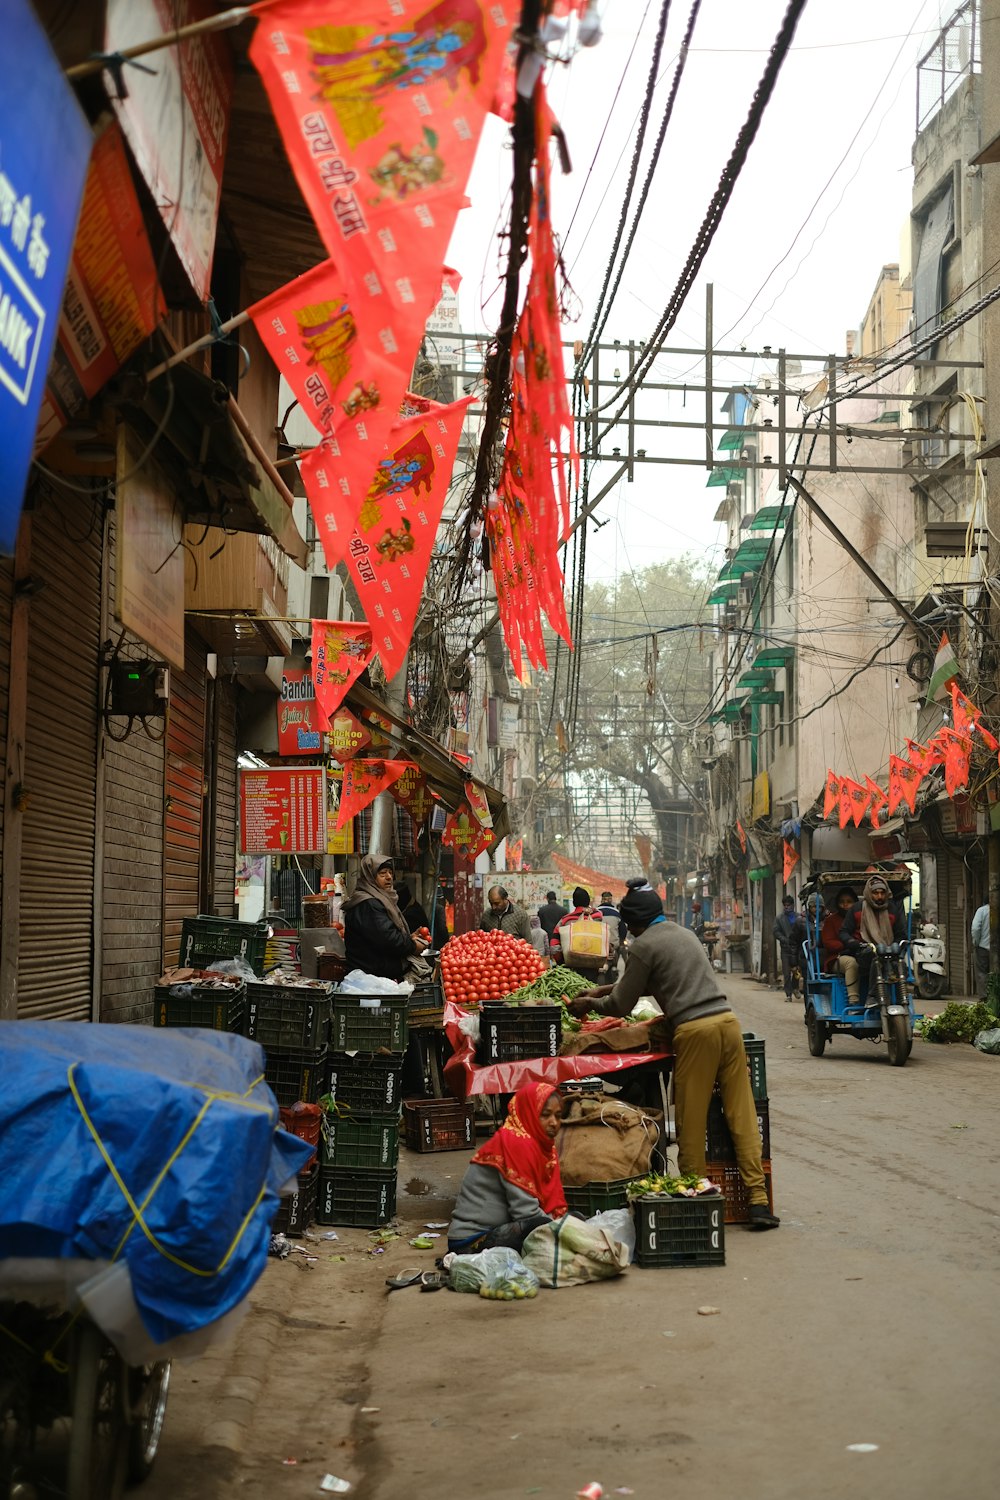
(283,810)
(338,840)
(112,300)
(299,731)
(45,145)
(175,116)
(348,736)
(150,598)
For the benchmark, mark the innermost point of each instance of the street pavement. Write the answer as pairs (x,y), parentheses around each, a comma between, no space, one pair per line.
(854,1354)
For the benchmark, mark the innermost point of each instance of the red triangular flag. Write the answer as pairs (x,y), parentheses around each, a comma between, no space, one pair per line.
(464,835)
(831,794)
(741,835)
(904,779)
(957,753)
(790,861)
(878,801)
(478,805)
(341,650)
(854,800)
(363,780)
(390,549)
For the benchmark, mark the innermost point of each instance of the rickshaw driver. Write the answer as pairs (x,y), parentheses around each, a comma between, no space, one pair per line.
(869,923)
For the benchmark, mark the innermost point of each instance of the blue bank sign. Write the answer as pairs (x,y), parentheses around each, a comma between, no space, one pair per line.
(44,150)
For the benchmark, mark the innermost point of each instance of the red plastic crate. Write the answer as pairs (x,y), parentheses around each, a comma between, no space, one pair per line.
(305,1121)
(726,1174)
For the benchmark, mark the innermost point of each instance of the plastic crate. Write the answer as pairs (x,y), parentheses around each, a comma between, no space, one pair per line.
(756,1067)
(727,1175)
(368,1023)
(439,1125)
(295,1076)
(350,1142)
(200,1005)
(296,1213)
(718,1141)
(288,1016)
(349,1196)
(206,938)
(426,1005)
(595,1197)
(511,1033)
(680,1231)
(365,1086)
(305,1121)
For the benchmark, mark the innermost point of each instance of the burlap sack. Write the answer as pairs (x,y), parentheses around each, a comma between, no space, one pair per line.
(604,1139)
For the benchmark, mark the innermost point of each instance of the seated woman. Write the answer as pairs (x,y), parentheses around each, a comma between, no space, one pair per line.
(376,937)
(835,959)
(512,1184)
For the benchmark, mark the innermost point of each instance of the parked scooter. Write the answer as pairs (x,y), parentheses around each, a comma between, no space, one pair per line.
(927,961)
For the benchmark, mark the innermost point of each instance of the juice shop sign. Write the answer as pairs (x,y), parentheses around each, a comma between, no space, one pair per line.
(298,716)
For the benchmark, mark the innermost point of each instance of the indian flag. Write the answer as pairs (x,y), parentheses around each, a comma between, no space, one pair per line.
(945,669)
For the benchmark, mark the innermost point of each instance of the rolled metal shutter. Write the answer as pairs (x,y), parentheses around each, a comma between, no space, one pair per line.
(56,954)
(184,796)
(224,802)
(953,918)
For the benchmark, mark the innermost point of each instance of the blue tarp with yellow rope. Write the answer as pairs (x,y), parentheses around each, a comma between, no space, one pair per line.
(154,1147)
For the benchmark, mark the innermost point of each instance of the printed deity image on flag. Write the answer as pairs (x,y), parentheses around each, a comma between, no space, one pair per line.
(341,650)
(381,115)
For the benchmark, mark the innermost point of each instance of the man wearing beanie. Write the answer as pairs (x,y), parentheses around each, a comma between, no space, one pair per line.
(668,962)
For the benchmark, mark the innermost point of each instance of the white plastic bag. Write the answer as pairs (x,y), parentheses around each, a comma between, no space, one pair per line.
(498,1273)
(569,1252)
(619,1224)
(358,982)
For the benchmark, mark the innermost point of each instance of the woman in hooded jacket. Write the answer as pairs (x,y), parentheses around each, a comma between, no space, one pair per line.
(376,937)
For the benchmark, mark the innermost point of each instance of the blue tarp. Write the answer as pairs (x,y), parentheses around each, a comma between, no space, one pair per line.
(180,1122)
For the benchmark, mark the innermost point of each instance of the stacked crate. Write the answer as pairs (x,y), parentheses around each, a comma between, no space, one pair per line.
(720,1153)
(197,997)
(204,940)
(290,1018)
(359,1150)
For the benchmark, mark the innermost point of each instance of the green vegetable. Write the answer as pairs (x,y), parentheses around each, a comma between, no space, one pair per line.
(956,1023)
(665,1186)
(555,984)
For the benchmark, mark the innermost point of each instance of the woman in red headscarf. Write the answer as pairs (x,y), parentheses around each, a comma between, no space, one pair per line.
(512,1184)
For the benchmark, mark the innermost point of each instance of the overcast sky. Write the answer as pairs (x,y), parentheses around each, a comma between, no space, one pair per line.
(851,72)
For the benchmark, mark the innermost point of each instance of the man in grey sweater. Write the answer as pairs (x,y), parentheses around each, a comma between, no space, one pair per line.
(668,962)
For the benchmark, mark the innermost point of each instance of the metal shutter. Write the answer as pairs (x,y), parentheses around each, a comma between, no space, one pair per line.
(953,918)
(224,802)
(184,793)
(56,956)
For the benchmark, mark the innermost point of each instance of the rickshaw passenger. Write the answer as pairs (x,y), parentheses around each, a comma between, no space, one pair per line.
(869,923)
(835,959)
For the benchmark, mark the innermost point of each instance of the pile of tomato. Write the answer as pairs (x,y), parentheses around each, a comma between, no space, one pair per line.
(481,966)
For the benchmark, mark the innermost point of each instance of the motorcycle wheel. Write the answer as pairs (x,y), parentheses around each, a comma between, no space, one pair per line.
(95,1466)
(929,986)
(816,1033)
(899,1042)
(150,1386)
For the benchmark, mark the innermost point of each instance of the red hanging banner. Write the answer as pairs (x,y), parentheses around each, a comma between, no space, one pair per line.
(478,805)
(791,859)
(381,115)
(831,795)
(340,652)
(904,779)
(347,735)
(390,549)
(464,835)
(741,835)
(363,780)
(515,853)
(412,792)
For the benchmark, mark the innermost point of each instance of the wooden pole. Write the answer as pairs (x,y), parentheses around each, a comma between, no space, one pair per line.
(222,22)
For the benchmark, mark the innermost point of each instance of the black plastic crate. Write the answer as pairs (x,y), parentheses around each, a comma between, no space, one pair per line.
(718,1141)
(365,1086)
(680,1231)
(288,1016)
(511,1033)
(596,1197)
(347,1141)
(368,1023)
(426,1005)
(756,1067)
(218,1009)
(295,1076)
(439,1125)
(296,1213)
(206,938)
(351,1196)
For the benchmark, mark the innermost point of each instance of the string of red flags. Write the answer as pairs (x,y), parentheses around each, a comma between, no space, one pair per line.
(341,649)
(363,780)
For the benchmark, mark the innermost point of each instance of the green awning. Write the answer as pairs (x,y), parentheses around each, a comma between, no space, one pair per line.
(775,657)
(770,516)
(765,697)
(731,440)
(748,558)
(723,593)
(718,716)
(733,709)
(726,475)
(755,677)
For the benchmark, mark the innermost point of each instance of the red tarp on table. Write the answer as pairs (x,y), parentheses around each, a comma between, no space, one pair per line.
(464,1078)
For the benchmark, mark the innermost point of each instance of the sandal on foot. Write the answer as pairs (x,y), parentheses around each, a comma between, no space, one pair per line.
(409,1277)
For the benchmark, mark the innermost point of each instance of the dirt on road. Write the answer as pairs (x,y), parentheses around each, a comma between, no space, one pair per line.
(854,1354)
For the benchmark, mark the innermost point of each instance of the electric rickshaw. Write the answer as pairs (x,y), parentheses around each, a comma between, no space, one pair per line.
(884,1011)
